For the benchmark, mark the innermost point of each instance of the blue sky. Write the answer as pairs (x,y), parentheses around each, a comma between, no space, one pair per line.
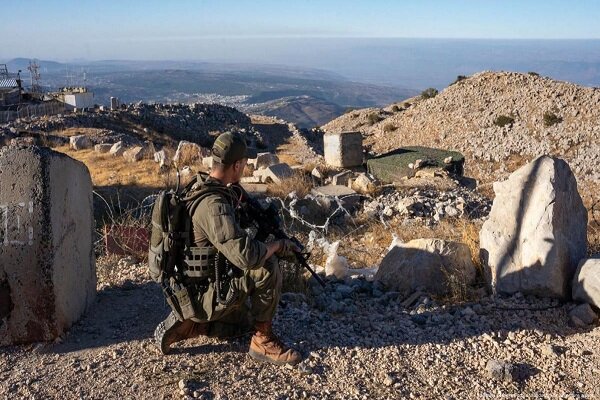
(154,29)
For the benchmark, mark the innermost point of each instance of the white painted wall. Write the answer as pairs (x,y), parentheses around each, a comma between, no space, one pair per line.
(80,100)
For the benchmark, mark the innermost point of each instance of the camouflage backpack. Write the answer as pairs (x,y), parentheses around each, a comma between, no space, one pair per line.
(171,228)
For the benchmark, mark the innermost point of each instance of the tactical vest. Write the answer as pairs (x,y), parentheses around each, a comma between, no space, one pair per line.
(174,261)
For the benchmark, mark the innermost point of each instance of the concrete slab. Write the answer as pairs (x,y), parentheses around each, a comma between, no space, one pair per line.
(47,265)
(256,188)
(276,173)
(348,196)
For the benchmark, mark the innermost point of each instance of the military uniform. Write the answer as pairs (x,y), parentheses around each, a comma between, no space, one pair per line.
(256,280)
(214,223)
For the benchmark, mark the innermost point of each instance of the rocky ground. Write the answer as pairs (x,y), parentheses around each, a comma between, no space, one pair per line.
(462,117)
(160,123)
(359,342)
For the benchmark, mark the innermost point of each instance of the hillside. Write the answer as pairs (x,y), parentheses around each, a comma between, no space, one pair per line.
(462,116)
(304,111)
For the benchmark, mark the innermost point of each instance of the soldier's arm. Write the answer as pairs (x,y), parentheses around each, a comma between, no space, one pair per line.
(217,219)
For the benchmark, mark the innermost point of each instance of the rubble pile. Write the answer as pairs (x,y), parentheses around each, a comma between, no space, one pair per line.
(182,122)
(429,205)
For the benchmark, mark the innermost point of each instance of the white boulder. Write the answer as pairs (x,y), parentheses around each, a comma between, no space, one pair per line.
(586,283)
(536,232)
(80,142)
(189,153)
(117,149)
(428,264)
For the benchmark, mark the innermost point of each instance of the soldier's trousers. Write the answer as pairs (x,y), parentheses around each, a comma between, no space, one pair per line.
(262,286)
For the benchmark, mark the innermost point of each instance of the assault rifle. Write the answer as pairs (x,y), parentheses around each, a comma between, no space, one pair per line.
(268,222)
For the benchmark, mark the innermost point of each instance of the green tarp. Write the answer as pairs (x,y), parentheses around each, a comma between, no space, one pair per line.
(393,166)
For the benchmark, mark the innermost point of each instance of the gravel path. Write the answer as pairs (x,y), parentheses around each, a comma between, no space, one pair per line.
(359,343)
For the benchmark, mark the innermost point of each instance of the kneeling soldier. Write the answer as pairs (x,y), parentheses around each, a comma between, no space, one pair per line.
(252,268)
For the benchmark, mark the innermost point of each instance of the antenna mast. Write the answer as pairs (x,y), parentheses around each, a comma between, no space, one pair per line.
(36,79)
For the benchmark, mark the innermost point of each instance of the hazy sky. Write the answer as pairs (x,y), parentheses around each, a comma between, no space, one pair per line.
(152,29)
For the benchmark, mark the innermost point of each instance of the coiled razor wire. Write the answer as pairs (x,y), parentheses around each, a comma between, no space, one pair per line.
(296,216)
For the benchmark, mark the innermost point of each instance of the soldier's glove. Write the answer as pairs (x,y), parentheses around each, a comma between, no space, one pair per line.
(288,250)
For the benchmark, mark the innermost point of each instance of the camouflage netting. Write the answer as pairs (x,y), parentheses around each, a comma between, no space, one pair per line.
(393,166)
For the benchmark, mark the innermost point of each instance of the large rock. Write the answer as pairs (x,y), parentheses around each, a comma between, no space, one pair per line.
(103,147)
(264,160)
(162,158)
(80,142)
(134,154)
(47,266)
(536,233)
(117,149)
(189,153)
(586,283)
(429,264)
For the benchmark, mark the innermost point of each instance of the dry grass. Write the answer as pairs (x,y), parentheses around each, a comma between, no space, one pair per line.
(299,183)
(288,158)
(107,170)
(594,229)
(458,288)
(470,236)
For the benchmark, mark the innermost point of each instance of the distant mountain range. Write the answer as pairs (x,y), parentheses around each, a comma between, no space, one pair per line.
(308,97)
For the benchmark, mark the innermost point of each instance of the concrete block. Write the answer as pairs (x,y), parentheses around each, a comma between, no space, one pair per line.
(343,149)
(47,265)
(342,178)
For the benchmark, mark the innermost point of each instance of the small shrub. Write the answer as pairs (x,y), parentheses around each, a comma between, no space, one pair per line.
(395,108)
(551,119)
(503,120)
(374,118)
(389,127)
(533,73)
(429,93)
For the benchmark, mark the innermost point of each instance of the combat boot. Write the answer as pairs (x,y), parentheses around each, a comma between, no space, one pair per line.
(171,331)
(266,346)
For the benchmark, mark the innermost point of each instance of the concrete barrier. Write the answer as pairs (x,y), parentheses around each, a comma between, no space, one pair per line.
(47,265)
(343,149)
